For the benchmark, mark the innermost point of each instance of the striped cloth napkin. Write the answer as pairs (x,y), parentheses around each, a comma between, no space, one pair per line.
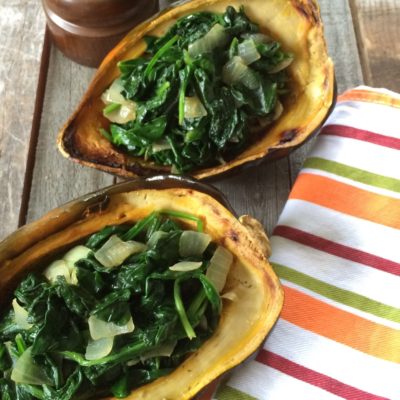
(336,249)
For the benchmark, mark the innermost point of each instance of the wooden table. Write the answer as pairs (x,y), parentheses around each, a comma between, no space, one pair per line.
(39,88)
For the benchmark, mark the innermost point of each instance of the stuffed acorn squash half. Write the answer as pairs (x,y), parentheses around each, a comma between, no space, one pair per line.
(205,87)
(150,289)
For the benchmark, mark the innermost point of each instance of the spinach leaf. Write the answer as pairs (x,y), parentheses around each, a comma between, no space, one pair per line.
(7,389)
(5,361)
(27,392)
(139,227)
(8,326)
(212,294)
(114,307)
(76,298)
(68,391)
(133,277)
(158,299)
(102,373)
(51,328)
(238,23)
(91,280)
(135,378)
(98,239)
(33,293)
(169,73)
(90,263)
(71,337)
(166,250)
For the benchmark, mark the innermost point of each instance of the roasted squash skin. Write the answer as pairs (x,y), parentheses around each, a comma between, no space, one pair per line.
(296,24)
(258,292)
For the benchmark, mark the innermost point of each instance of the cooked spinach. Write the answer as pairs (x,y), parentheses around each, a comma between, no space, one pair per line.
(201,93)
(163,315)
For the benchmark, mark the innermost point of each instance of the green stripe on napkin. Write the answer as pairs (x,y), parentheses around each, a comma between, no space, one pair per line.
(337,294)
(228,393)
(353,173)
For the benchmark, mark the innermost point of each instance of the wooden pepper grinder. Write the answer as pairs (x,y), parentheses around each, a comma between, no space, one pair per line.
(86,30)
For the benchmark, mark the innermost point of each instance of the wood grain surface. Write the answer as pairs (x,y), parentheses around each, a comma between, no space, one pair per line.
(22,30)
(56,179)
(377,24)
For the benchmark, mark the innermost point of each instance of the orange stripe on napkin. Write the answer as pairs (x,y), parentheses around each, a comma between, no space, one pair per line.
(347,199)
(369,97)
(341,326)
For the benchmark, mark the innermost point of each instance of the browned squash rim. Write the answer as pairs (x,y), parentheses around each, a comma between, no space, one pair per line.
(119,163)
(260,292)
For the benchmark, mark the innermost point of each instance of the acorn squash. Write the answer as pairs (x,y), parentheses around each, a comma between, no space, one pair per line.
(244,322)
(295,24)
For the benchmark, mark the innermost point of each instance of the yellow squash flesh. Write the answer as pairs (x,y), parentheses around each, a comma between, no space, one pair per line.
(296,24)
(244,322)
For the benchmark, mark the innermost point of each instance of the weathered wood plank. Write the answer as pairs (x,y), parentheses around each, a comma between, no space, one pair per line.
(22,30)
(377,24)
(55,179)
(261,191)
(164,3)
(342,44)
(342,47)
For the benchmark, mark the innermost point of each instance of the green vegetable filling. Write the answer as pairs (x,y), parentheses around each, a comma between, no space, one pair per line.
(88,328)
(201,93)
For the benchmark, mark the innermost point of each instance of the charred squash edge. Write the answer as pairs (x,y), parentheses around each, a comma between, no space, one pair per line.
(253,263)
(285,142)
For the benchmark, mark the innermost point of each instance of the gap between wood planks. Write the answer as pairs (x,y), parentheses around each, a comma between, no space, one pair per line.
(377,28)
(34,136)
(35,129)
(360,44)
